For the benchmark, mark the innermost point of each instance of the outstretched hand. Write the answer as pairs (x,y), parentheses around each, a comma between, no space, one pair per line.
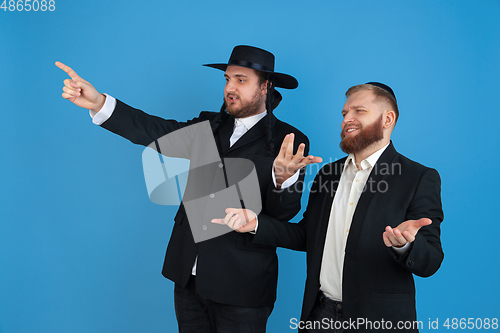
(286,164)
(404,233)
(79,91)
(240,220)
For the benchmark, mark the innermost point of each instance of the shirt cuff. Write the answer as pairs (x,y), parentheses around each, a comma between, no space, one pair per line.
(256,226)
(401,250)
(289,182)
(106,111)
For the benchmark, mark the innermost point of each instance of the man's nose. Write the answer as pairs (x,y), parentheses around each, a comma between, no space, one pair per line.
(348,119)
(230,87)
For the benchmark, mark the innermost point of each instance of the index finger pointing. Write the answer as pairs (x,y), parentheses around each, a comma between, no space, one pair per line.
(68,70)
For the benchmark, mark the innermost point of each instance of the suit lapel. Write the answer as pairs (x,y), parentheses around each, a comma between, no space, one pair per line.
(366,197)
(225,132)
(257,131)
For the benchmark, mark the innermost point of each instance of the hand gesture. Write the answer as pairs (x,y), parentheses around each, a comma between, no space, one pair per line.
(240,220)
(286,164)
(79,91)
(404,233)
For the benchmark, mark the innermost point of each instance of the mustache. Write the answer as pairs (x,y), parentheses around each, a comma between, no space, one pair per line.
(347,127)
(232,95)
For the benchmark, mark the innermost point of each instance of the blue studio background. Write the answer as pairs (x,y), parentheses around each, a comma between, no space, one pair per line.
(81,245)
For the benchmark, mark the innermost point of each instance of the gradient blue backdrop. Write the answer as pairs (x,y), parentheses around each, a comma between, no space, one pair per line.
(81,246)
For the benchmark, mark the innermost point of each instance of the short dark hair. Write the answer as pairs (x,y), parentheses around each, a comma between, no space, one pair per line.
(379,92)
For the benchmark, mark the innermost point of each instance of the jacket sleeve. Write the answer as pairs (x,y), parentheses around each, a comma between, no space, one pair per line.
(281,233)
(140,127)
(426,254)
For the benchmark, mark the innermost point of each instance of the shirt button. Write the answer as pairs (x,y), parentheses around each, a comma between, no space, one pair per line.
(221,165)
(348,230)
(205,227)
(357,180)
(352,203)
(212,195)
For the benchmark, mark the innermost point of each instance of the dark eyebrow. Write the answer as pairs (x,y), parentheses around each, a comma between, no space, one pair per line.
(236,75)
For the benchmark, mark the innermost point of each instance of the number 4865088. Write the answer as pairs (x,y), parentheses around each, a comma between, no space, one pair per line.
(28,5)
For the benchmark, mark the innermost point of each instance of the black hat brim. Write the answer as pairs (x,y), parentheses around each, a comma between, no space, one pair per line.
(280,80)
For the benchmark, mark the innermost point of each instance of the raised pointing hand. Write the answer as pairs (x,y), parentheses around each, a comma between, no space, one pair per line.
(79,91)
(286,164)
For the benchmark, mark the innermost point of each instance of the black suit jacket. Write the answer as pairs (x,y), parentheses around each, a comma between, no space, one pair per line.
(230,269)
(376,283)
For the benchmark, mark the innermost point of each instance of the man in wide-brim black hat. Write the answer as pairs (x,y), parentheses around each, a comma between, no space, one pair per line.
(224,284)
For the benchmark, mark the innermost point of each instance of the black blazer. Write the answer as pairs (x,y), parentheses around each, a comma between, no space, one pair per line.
(376,283)
(230,269)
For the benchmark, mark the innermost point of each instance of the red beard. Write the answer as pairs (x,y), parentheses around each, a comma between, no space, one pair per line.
(366,136)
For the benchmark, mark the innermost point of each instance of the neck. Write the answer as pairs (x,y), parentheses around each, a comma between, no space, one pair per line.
(254,114)
(365,153)
(261,109)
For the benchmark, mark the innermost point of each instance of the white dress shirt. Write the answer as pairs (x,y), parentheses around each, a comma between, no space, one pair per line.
(350,188)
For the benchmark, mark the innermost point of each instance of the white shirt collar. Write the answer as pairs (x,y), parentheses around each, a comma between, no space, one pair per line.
(250,122)
(368,162)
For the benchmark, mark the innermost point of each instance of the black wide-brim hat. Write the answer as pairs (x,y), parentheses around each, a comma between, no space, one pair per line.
(260,60)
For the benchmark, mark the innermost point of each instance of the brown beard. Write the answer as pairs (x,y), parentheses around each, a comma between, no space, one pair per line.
(366,136)
(246,109)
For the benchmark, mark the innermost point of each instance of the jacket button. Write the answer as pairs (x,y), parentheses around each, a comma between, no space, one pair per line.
(410,263)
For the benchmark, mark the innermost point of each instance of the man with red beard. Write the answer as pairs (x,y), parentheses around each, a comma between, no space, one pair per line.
(372,221)
(225,284)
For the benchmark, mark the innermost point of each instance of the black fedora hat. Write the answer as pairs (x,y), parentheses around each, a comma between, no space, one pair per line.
(258,59)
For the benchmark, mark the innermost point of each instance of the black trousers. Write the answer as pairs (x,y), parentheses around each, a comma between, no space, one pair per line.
(197,315)
(326,316)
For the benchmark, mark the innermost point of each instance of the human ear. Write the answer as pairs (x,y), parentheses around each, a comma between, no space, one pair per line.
(389,118)
(263,88)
